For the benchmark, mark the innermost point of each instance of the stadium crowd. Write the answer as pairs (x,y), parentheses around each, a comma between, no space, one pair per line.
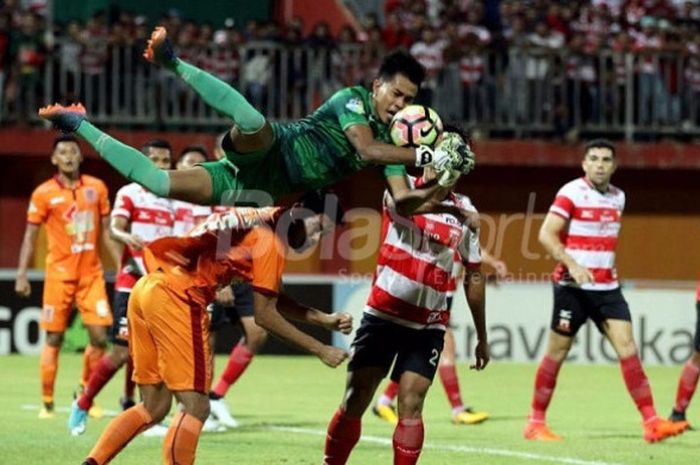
(489,48)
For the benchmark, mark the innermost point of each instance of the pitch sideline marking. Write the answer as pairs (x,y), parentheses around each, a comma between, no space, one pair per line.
(464,449)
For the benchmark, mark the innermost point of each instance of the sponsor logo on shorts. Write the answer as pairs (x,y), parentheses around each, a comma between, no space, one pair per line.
(564,321)
(47,313)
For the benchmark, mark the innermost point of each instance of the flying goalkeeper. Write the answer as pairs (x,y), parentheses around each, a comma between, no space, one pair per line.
(266,160)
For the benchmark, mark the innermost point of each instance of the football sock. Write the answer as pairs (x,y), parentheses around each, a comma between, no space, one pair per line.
(91,357)
(387,398)
(408,441)
(238,361)
(119,432)
(129,384)
(638,386)
(100,376)
(450,381)
(343,434)
(48,364)
(545,381)
(222,97)
(687,384)
(128,161)
(180,443)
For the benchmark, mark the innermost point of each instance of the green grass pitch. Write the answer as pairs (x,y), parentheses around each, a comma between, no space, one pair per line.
(285,403)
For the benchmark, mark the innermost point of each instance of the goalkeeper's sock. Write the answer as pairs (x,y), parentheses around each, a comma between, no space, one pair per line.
(130,163)
(221,97)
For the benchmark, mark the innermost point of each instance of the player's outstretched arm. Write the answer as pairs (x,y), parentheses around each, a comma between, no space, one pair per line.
(22,286)
(475,291)
(268,317)
(215,92)
(549,236)
(294,310)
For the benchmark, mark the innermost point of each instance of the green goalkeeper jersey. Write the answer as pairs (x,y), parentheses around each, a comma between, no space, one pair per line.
(316,150)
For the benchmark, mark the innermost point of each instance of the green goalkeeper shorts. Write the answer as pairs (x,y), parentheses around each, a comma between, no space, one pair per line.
(255,179)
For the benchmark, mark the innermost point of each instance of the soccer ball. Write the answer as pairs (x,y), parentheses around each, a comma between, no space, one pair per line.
(415,125)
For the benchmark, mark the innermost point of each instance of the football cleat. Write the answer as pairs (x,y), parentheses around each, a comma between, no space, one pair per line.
(469,417)
(213,426)
(126,402)
(538,431)
(659,429)
(159,50)
(679,417)
(386,413)
(96,411)
(47,411)
(77,421)
(220,412)
(67,119)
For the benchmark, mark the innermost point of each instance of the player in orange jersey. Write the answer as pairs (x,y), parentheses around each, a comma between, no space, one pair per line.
(169,324)
(75,211)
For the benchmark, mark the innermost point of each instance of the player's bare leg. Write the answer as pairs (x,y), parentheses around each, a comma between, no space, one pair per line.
(240,358)
(619,333)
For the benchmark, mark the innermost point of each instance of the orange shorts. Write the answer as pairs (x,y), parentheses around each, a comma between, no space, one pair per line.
(88,294)
(168,336)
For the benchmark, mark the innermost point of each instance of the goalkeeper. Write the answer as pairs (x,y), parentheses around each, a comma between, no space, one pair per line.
(265,160)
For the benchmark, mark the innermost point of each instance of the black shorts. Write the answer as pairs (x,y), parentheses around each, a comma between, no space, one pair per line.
(119,333)
(379,342)
(242,306)
(697,326)
(573,306)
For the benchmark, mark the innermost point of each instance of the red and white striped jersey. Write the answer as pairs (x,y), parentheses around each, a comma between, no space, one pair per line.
(187,216)
(416,268)
(590,236)
(150,217)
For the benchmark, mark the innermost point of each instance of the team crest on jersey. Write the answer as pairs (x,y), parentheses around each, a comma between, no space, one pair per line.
(90,195)
(564,321)
(355,105)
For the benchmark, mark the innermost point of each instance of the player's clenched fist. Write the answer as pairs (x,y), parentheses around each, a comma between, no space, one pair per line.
(339,322)
(332,356)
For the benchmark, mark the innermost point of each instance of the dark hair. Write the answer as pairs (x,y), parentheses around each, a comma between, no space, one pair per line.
(195,148)
(64,138)
(318,200)
(457,128)
(599,144)
(402,62)
(157,144)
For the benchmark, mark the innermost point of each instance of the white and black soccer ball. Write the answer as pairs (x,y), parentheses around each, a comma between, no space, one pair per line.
(415,125)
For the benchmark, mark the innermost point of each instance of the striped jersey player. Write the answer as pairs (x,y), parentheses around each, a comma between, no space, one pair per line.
(581,231)
(405,319)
